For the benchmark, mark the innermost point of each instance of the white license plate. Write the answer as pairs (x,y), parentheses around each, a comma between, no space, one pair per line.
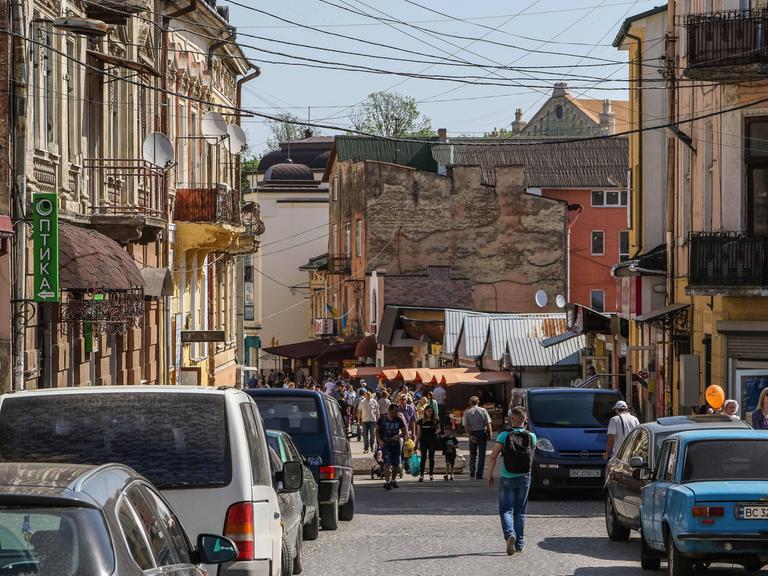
(585,473)
(754,513)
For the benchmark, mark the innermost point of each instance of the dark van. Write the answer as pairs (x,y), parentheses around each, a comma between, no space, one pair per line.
(315,423)
(571,425)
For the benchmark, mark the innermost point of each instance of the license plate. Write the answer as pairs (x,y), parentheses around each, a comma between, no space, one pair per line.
(754,513)
(585,472)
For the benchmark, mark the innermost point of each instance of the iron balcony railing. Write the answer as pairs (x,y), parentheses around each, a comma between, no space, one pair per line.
(727,259)
(726,39)
(339,265)
(125,186)
(219,204)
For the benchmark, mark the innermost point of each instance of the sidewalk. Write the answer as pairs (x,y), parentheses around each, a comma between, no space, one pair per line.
(363,463)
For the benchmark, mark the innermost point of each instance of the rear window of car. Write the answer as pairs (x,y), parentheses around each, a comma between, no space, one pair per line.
(726,460)
(571,410)
(296,415)
(174,440)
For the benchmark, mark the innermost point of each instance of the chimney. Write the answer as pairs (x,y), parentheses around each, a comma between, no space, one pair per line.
(607,119)
(519,124)
(560,90)
(442,134)
(307,133)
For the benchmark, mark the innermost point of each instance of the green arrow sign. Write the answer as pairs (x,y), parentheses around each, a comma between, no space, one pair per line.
(45,234)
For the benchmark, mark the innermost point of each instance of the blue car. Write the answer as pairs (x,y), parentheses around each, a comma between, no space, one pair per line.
(571,425)
(707,501)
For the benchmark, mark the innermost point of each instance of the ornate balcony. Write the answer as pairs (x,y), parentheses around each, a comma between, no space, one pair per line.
(127,197)
(220,204)
(727,263)
(727,46)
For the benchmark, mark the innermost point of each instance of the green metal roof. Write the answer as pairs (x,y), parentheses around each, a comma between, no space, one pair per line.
(316,263)
(416,155)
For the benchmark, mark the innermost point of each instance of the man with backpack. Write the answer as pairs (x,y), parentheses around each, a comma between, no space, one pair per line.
(516,446)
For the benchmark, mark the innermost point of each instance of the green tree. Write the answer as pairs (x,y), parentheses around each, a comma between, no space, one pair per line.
(391,115)
(286,130)
(247,167)
(500,133)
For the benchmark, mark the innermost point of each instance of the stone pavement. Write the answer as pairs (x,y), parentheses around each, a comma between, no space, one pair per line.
(452,528)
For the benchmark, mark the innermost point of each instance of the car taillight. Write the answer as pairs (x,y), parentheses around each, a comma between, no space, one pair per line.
(239,528)
(327,472)
(707,511)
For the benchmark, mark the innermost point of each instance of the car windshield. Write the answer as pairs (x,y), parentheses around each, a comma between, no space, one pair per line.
(571,410)
(296,415)
(737,459)
(175,440)
(65,541)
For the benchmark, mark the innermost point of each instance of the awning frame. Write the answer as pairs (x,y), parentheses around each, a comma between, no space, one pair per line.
(672,318)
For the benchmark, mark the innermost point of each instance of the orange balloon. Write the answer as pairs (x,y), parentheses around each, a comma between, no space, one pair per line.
(715,396)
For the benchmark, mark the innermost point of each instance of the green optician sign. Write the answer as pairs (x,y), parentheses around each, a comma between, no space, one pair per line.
(45,234)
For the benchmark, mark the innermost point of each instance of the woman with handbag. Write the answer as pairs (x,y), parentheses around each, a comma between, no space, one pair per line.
(426,438)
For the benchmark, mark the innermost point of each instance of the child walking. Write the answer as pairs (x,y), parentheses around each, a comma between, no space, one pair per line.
(451,444)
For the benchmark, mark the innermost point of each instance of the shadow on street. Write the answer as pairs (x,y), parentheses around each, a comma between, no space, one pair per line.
(597,547)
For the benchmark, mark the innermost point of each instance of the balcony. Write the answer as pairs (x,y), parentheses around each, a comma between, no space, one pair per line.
(727,46)
(115,12)
(127,196)
(219,204)
(727,263)
(339,265)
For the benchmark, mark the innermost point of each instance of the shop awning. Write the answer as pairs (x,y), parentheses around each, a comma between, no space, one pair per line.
(366,348)
(6,227)
(366,371)
(314,349)
(158,282)
(91,262)
(478,378)
(665,318)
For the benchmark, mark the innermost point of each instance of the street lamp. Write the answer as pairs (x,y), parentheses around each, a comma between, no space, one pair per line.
(81,26)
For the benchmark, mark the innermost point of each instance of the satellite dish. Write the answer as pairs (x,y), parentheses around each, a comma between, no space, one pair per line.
(541,298)
(158,150)
(560,301)
(237,143)
(214,127)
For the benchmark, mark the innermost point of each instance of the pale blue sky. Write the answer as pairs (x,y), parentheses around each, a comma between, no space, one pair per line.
(572,27)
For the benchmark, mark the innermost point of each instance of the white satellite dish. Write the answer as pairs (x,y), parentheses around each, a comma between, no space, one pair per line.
(214,127)
(560,301)
(158,150)
(237,143)
(541,298)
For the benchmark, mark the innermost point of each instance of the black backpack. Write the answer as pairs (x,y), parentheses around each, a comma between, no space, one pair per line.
(518,452)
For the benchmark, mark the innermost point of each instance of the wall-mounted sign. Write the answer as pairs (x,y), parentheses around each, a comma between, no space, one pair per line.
(45,238)
(202,336)
(323,326)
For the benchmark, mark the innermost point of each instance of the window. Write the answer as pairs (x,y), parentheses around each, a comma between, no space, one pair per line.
(254,437)
(737,459)
(597,300)
(628,447)
(598,243)
(358,238)
(609,198)
(193,155)
(669,469)
(756,160)
(159,543)
(589,410)
(134,536)
(643,447)
(347,240)
(708,177)
(623,245)
(335,189)
(334,236)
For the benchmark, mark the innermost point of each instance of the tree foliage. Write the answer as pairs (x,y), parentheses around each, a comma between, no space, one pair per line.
(285,130)
(392,115)
(500,133)
(247,166)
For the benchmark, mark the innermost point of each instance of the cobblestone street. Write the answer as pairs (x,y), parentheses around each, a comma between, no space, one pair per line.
(453,528)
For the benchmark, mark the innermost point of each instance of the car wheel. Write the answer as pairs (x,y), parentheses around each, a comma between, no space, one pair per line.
(329,516)
(677,564)
(312,530)
(347,511)
(286,562)
(298,565)
(648,560)
(753,565)
(616,530)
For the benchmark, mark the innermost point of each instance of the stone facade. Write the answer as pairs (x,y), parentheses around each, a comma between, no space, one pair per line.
(438,288)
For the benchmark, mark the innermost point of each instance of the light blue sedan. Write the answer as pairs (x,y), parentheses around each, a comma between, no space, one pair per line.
(707,502)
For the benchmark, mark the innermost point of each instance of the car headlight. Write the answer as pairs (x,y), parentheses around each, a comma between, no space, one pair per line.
(544,445)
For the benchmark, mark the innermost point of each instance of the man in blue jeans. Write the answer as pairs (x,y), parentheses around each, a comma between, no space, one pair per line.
(517,446)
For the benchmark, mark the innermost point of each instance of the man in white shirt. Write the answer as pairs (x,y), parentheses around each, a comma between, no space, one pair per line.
(440,395)
(329,386)
(618,428)
(367,415)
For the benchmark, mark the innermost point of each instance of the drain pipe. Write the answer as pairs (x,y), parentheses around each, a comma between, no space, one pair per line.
(19,190)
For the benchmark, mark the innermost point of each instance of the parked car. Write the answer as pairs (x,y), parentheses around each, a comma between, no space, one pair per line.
(707,501)
(205,449)
(571,426)
(315,423)
(75,520)
(290,511)
(286,450)
(622,490)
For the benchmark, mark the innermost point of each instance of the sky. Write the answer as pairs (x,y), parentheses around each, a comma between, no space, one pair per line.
(546,41)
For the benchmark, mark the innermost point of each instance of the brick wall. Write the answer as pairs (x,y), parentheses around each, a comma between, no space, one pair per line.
(437,288)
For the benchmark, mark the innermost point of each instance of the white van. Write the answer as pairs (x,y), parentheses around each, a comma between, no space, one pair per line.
(204,448)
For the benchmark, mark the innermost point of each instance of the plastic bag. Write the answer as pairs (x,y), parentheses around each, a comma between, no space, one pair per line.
(409,447)
(414,464)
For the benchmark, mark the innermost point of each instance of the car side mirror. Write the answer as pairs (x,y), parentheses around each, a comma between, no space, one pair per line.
(636,462)
(642,474)
(214,549)
(292,476)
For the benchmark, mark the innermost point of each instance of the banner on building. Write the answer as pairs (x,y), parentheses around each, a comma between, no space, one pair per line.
(45,241)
